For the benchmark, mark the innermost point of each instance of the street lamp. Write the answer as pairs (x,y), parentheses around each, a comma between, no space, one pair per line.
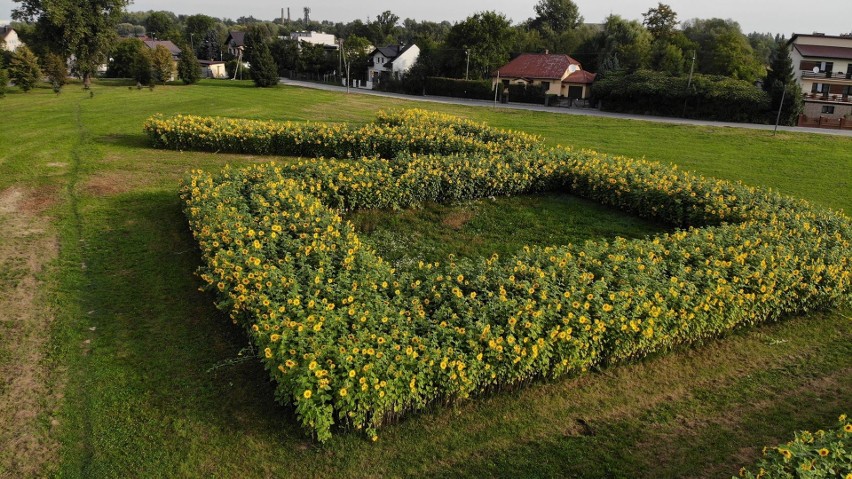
(467,68)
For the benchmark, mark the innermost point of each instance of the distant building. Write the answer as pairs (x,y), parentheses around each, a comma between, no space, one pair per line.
(556,74)
(824,71)
(327,40)
(236,43)
(392,61)
(9,38)
(213,69)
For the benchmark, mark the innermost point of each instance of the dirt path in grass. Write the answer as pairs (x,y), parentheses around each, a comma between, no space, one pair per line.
(27,246)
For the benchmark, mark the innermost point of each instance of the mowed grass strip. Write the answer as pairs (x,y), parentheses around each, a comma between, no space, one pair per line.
(483,227)
(161,389)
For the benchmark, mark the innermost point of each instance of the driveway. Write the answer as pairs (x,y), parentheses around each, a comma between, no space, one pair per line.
(562,111)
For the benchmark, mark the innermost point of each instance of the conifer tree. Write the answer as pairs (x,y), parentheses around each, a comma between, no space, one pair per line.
(263,70)
(189,70)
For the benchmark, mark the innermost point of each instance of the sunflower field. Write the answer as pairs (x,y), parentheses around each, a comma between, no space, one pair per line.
(353,343)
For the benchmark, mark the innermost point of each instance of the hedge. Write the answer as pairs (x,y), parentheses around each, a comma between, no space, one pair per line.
(353,343)
(457,88)
(415,131)
(708,97)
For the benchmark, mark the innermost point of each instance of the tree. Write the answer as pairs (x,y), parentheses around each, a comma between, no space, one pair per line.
(82,28)
(163,25)
(557,15)
(487,37)
(197,27)
(661,21)
(23,69)
(123,57)
(723,49)
(625,44)
(55,69)
(141,69)
(780,83)
(4,82)
(385,27)
(355,51)
(189,70)
(263,70)
(162,64)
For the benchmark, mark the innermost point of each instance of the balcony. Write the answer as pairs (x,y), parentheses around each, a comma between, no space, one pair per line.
(828,77)
(827,97)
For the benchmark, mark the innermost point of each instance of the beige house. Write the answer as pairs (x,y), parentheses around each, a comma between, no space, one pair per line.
(557,74)
(824,65)
(213,69)
(9,40)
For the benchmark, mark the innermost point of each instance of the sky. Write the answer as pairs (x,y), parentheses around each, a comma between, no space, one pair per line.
(832,17)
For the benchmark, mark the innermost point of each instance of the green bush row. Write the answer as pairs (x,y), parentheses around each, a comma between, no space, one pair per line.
(354,343)
(409,131)
(706,97)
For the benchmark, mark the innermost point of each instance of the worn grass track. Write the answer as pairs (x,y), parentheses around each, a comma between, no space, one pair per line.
(138,375)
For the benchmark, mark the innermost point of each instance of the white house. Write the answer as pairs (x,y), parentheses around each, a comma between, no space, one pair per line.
(824,70)
(391,61)
(9,40)
(327,40)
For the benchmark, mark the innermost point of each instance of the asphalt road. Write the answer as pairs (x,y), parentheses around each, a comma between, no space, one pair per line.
(563,111)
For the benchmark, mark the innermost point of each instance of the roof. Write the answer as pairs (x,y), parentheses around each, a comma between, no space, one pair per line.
(391,51)
(171,47)
(399,54)
(818,35)
(210,62)
(537,65)
(236,39)
(580,76)
(5,31)
(823,51)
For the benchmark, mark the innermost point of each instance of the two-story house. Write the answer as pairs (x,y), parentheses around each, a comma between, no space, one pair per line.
(556,74)
(824,71)
(391,61)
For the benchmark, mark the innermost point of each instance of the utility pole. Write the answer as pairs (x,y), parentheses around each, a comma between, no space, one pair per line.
(467,68)
(778,118)
(688,83)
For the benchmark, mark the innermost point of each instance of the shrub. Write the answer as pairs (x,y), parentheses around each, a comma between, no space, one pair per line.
(708,97)
(189,70)
(456,88)
(56,70)
(23,69)
(351,341)
(4,82)
(821,454)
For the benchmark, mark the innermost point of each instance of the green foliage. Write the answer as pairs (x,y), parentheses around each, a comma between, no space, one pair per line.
(624,44)
(459,88)
(661,22)
(709,97)
(667,58)
(352,341)
(82,28)
(55,70)
(162,64)
(4,82)
(164,25)
(123,57)
(142,68)
(723,49)
(781,84)
(263,70)
(810,455)
(488,36)
(557,15)
(24,69)
(189,70)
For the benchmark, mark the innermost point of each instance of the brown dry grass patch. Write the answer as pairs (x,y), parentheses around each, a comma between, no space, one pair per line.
(26,247)
(457,219)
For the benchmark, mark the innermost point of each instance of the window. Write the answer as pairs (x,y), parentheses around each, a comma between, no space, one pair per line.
(819,88)
(826,67)
(828,110)
(545,85)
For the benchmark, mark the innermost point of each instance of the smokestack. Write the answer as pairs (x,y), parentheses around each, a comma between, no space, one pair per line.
(282,15)
(288,14)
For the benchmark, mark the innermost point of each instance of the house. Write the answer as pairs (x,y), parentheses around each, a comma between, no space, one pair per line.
(327,40)
(824,66)
(213,69)
(9,40)
(557,74)
(236,43)
(392,61)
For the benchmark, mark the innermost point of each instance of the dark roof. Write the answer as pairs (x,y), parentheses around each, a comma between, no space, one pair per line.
(399,53)
(823,51)
(171,47)
(580,76)
(236,39)
(390,51)
(537,65)
(210,62)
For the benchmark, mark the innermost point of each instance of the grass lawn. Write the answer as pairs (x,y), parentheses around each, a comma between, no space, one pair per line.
(114,365)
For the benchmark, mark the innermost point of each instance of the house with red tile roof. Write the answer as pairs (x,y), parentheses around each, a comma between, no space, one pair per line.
(824,66)
(557,74)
